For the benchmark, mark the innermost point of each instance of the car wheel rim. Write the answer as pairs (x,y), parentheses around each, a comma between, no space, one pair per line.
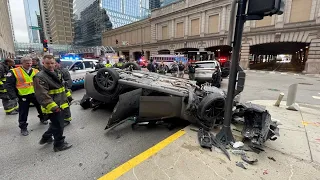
(214,110)
(106,80)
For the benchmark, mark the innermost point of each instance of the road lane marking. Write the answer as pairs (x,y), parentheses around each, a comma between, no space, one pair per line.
(316,97)
(127,166)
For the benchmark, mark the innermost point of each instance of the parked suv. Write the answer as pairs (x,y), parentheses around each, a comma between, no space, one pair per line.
(204,70)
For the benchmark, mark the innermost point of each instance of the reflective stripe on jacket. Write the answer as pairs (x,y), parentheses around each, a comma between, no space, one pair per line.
(108,65)
(24,82)
(50,91)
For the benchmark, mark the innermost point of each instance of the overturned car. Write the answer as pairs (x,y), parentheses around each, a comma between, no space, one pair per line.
(152,97)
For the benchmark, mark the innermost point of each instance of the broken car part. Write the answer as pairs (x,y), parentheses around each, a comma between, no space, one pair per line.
(245,159)
(240,164)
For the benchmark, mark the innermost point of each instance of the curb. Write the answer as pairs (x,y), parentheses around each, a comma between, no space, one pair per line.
(283,73)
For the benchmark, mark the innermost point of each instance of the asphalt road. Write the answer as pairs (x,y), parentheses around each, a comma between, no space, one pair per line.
(96,152)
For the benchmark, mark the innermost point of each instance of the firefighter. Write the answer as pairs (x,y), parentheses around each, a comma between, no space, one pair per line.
(50,92)
(119,64)
(67,81)
(19,85)
(108,64)
(10,106)
(36,63)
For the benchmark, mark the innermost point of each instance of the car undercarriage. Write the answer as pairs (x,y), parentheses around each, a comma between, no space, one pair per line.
(151,97)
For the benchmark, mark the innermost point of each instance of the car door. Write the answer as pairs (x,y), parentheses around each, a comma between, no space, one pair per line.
(78,72)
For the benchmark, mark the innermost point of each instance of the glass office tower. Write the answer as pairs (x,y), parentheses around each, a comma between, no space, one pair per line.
(31,8)
(123,12)
(167,2)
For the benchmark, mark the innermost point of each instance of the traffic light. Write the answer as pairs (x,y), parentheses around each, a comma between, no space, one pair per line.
(45,45)
(265,7)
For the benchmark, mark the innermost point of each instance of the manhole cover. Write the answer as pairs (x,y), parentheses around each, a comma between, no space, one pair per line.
(305,84)
(274,89)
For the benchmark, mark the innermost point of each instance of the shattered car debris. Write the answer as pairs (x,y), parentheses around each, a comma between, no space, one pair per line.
(151,97)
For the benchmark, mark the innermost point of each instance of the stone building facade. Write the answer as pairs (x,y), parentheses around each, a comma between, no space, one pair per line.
(201,24)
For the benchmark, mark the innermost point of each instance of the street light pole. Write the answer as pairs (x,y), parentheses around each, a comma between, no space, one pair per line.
(225,135)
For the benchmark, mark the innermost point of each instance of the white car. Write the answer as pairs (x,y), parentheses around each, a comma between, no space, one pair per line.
(78,69)
(204,70)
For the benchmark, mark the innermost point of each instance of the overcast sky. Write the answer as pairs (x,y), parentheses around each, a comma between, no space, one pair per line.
(19,20)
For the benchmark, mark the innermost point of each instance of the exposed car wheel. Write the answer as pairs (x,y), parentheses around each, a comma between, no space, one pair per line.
(107,79)
(132,65)
(211,110)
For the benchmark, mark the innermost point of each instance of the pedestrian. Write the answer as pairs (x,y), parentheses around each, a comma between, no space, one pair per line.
(10,106)
(174,69)
(67,81)
(50,92)
(119,64)
(191,71)
(181,69)
(152,66)
(162,68)
(36,64)
(108,64)
(216,77)
(19,85)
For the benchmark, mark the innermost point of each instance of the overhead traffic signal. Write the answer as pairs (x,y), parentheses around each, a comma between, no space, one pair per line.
(45,45)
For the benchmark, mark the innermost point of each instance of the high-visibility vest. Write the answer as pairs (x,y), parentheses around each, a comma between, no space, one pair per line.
(24,82)
(108,65)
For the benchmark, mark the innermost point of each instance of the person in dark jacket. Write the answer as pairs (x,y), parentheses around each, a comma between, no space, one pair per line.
(10,106)
(191,71)
(19,85)
(152,66)
(174,69)
(50,92)
(67,81)
(162,69)
(181,69)
(36,64)
(216,77)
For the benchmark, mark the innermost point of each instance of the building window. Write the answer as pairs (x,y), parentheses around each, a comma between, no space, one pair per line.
(179,30)
(195,28)
(165,32)
(213,24)
(300,10)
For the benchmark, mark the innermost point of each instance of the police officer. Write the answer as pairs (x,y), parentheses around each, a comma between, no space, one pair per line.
(10,106)
(19,85)
(108,64)
(67,81)
(50,92)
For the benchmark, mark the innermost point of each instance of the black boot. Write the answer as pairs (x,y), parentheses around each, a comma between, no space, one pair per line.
(63,147)
(45,140)
(24,132)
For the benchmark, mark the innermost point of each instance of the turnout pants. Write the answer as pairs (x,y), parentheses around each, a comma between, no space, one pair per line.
(9,105)
(67,114)
(55,128)
(24,104)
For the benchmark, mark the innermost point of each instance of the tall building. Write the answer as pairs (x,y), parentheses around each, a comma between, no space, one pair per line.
(79,6)
(88,28)
(167,2)
(40,25)
(57,18)
(44,13)
(123,12)
(154,4)
(6,36)
(31,8)
(10,18)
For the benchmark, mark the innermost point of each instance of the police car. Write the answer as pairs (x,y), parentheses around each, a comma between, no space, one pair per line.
(78,68)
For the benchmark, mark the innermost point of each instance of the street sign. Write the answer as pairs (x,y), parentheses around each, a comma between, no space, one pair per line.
(35,27)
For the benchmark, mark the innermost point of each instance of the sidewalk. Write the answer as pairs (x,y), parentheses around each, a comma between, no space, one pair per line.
(296,153)
(283,73)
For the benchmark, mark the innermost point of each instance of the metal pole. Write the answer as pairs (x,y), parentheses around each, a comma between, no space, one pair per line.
(231,24)
(225,135)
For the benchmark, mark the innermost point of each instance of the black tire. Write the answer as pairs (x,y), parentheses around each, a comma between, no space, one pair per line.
(211,110)
(107,79)
(133,65)
(85,102)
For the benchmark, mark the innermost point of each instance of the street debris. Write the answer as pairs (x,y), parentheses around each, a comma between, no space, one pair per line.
(80,164)
(245,159)
(238,144)
(240,164)
(271,158)
(207,140)
(238,152)
(265,172)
